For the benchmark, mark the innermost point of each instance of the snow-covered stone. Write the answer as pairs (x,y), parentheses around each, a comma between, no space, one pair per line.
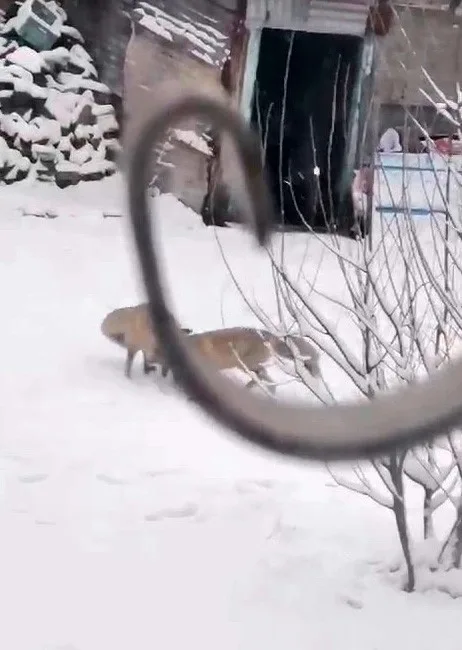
(21,85)
(56,122)
(10,157)
(73,81)
(45,129)
(27,58)
(67,173)
(66,166)
(113,149)
(73,33)
(13,125)
(83,114)
(79,52)
(58,57)
(100,153)
(44,152)
(9,27)
(82,63)
(85,131)
(81,155)
(103,109)
(107,123)
(97,169)
(65,144)
(62,106)
(20,72)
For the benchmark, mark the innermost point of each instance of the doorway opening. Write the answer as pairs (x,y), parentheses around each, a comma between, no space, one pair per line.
(301,109)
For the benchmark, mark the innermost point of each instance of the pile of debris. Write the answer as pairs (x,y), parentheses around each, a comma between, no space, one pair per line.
(56,120)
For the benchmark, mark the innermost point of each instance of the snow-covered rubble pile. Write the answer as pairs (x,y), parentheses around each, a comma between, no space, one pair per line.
(56,119)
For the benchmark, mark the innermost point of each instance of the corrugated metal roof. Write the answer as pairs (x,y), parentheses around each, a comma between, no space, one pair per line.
(318,16)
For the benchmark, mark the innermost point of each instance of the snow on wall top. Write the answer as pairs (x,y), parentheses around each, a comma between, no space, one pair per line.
(198,26)
(192,139)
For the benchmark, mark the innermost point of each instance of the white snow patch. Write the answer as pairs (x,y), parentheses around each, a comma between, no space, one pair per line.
(19,71)
(86,131)
(71,81)
(27,58)
(13,157)
(22,85)
(107,122)
(120,500)
(151,23)
(65,144)
(39,128)
(203,56)
(42,128)
(206,40)
(103,109)
(79,52)
(95,166)
(44,152)
(62,106)
(192,139)
(82,155)
(83,62)
(67,166)
(72,32)
(59,56)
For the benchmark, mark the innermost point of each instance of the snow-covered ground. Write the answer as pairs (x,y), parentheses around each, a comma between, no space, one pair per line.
(130,521)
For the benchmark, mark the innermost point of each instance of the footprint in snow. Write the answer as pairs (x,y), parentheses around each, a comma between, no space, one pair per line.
(32,478)
(158,473)
(14,458)
(351,601)
(111,480)
(186,511)
(252,486)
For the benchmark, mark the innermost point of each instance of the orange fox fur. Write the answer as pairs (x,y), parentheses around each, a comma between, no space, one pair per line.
(250,349)
(130,328)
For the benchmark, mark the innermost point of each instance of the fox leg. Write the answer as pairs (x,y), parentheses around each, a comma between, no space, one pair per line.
(129,362)
(146,366)
(264,377)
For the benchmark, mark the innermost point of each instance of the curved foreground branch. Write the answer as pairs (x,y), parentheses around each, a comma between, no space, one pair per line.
(413,415)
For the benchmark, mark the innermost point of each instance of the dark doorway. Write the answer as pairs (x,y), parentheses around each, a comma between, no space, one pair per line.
(301,108)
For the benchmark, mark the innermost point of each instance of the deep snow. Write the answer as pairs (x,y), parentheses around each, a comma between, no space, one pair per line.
(130,521)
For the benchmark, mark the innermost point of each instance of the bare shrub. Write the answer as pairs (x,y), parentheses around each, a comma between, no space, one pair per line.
(399,291)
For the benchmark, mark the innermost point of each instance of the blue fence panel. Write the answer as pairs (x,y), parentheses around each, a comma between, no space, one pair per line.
(416,183)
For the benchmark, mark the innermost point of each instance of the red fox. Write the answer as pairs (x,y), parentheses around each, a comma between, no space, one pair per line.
(130,328)
(251,349)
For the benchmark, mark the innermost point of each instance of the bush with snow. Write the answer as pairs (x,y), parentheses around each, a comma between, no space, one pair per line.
(57,123)
(386,311)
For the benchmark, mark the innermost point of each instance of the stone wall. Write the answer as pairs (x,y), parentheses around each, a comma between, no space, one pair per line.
(421,37)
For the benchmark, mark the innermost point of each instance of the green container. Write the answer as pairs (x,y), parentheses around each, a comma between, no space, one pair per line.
(38,36)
